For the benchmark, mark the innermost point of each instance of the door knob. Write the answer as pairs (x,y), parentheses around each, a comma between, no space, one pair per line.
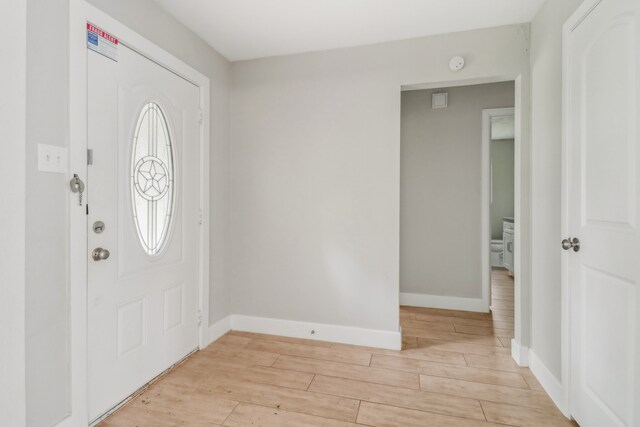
(571,243)
(100,254)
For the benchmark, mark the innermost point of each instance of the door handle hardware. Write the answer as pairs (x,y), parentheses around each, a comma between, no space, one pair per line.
(100,254)
(571,243)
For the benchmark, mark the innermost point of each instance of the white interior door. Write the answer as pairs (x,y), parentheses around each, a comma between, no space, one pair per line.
(603,153)
(143,128)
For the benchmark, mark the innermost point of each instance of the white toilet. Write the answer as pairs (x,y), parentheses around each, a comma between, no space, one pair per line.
(496,253)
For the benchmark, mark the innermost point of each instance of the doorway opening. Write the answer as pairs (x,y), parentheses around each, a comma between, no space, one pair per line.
(446,224)
(498,138)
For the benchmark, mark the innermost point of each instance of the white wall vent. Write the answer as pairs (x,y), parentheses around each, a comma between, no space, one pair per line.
(439,100)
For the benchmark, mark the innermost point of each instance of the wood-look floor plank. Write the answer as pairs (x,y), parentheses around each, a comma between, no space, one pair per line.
(194,406)
(315,352)
(452,336)
(260,416)
(246,356)
(505,311)
(431,318)
(322,405)
(133,416)
(421,352)
(183,375)
(348,371)
(374,414)
(506,342)
(229,342)
(487,376)
(502,362)
(523,416)
(396,396)
(262,375)
(480,330)
(488,392)
(460,347)
(455,313)
(531,380)
(434,326)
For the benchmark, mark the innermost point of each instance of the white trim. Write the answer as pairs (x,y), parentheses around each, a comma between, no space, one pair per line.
(80,13)
(519,353)
(522,229)
(218,329)
(13,29)
(447,302)
(322,331)
(485,195)
(549,382)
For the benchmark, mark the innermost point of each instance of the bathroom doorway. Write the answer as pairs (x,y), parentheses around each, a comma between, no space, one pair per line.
(499,147)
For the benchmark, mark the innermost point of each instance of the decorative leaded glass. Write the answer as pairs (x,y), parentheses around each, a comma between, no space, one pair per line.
(152,178)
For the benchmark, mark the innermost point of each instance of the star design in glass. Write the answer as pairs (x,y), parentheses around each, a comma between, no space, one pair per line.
(152,178)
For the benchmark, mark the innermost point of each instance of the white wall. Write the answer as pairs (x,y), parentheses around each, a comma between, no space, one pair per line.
(546,112)
(47,296)
(13,28)
(440,189)
(316,171)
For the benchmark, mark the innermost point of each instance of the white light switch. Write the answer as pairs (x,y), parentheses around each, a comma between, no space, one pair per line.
(52,158)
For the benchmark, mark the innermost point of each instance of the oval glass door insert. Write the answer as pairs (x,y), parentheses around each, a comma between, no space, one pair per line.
(152,179)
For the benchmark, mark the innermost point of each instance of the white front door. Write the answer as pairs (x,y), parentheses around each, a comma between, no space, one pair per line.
(603,160)
(143,208)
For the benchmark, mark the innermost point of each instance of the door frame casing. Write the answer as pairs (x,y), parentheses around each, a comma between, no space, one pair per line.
(81,13)
(485,191)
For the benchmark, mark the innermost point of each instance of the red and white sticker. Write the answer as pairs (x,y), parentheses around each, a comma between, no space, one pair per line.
(102,42)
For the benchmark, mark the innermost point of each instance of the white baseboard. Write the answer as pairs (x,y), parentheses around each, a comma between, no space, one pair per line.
(549,382)
(438,301)
(322,331)
(519,353)
(218,329)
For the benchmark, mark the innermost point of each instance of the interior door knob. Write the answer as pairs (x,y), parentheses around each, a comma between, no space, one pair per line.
(571,243)
(99,254)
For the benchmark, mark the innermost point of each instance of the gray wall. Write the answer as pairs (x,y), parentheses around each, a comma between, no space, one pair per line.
(47,287)
(440,200)
(502,185)
(316,171)
(546,112)
(47,297)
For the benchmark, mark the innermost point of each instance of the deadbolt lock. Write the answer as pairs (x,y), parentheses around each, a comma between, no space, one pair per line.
(98,227)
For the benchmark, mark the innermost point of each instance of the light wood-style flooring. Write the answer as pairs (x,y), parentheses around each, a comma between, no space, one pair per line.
(455,370)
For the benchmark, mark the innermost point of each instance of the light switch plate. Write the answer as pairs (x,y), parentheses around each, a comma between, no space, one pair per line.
(52,158)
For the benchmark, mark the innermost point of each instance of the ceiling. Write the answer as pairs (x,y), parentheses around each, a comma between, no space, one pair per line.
(247,29)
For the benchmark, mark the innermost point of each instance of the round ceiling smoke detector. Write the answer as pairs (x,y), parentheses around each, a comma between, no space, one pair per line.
(456,63)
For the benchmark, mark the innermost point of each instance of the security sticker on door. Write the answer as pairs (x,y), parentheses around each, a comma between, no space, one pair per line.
(102,42)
